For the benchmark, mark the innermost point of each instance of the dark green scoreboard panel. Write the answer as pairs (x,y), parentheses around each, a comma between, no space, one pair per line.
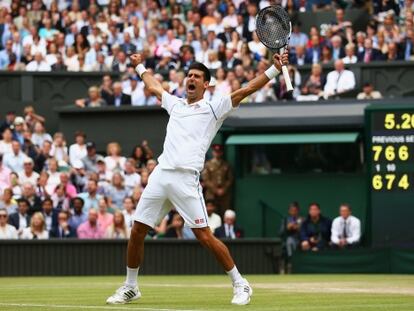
(390,170)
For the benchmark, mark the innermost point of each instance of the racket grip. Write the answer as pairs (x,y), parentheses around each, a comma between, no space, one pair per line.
(285,72)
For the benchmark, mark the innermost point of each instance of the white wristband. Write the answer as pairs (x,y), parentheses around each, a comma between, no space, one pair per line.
(271,72)
(140,69)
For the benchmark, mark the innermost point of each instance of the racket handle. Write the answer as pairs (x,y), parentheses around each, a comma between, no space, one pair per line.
(285,72)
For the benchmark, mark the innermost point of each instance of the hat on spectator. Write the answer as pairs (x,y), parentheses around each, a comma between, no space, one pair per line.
(90,145)
(217,147)
(28,161)
(213,82)
(18,120)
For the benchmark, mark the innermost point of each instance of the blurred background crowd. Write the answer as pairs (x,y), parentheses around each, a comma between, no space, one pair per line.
(99,35)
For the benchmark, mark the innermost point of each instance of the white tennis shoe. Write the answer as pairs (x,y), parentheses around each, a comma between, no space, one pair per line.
(124,294)
(242,293)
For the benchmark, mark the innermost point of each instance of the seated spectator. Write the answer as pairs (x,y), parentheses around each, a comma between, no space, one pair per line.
(14,160)
(370,53)
(38,64)
(117,191)
(18,131)
(118,229)
(77,151)
(147,99)
(15,185)
(326,55)
(128,211)
(393,54)
(175,228)
(28,175)
(297,38)
(43,156)
(114,161)
(91,197)
(315,231)
(59,65)
(6,142)
(78,215)
(50,214)
(368,92)
(290,229)
(314,52)
(4,175)
(299,57)
(59,150)
(7,231)
(63,230)
(90,161)
(41,186)
(21,218)
(39,135)
(29,193)
(90,229)
(54,176)
(37,229)
(131,178)
(93,100)
(70,189)
(337,49)
(214,220)
(229,229)
(105,219)
(346,229)
(7,201)
(31,117)
(151,164)
(314,85)
(61,201)
(350,57)
(339,81)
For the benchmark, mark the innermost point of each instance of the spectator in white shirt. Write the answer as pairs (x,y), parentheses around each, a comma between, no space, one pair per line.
(28,175)
(339,81)
(37,229)
(369,92)
(214,220)
(4,175)
(38,64)
(128,211)
(131,178)
(39,135)
(350,57)
(78,151)
(59,150)
(14,160)
(71,59)
(6,231)
(346,229)
(6,142)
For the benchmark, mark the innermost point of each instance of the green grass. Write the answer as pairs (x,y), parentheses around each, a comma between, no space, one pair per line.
(271,292)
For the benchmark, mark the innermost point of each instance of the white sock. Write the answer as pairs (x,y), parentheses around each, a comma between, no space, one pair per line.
(131,278)
(235,275)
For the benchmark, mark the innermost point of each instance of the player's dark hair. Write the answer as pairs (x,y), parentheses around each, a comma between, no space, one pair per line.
(203,68)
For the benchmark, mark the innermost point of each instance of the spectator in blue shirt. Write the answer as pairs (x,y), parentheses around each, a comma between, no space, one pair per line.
(315,232)
(78,216)
(5,55)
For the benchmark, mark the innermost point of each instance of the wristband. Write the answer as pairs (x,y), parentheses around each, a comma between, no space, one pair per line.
(140,69)
(271,72)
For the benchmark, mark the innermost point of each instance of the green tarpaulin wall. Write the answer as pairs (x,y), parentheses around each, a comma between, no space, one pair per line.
(355,261)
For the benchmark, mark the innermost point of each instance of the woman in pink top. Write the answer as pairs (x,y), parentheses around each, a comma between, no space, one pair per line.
(105,219)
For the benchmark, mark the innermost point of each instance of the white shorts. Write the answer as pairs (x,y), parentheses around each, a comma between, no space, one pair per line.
(172,188)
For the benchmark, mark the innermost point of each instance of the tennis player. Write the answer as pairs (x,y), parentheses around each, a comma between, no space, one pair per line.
(175,182)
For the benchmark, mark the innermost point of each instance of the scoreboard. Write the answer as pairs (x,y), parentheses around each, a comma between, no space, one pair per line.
(390,170)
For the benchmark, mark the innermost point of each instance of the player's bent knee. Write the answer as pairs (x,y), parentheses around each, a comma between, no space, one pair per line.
(204,235)
(139,230)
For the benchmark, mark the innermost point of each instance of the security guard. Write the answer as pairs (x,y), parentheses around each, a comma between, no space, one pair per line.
(218,179)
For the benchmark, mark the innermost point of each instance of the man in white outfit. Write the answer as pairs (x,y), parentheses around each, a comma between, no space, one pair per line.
(346,229)
(192,126)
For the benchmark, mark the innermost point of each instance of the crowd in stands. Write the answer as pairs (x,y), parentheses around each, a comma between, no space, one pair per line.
(50,189)
(99,35)
(317,232)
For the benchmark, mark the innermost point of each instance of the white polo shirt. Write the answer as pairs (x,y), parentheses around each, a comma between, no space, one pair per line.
(190,130)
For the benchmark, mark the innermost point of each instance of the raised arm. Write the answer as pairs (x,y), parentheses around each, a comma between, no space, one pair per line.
(152,84)
(261,80)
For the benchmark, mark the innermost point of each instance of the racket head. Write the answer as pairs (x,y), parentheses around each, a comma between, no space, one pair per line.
(273,27)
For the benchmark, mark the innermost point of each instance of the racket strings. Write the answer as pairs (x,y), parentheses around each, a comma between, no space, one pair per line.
(273,27)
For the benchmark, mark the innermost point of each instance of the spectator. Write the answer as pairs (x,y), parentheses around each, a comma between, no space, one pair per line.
(118,229)
(339,81)
(50,214)
(78,216)
(369,54)
(41,190)
(91,197)
(4,175)
(7,231)
(314,85)
(77,151)
(290,230)
(15,185)
(350,57)
(229,229)
(218,179)
(6,142)
(315,231)
(21,218)
(18,131)
(297,38)
(117,191)
(59,65)
(31,117)
(346,229)
(114,161)
(105,219)
(42,158)
(37,229)
(94,99)
(28,175)
(119,98)
(314,52)
(146,99)
(63,230)
(59,150)
(214,220)
(139,155)
(61,200)
(7,201)
(90,228)
(90,161)
(14,160)
(337,49)
(131,178)
(368,92)
(70,189)
(39,135)
(38,64)
(29,193)
(175,228)
(54,176)
(8,122)
(128,211)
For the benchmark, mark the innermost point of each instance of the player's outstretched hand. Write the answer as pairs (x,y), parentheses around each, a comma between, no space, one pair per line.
(278,59)
(136,59)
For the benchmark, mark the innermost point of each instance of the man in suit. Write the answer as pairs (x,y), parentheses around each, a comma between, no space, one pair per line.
(369,54)
(119,98)
(229,229)
(50,214)
(315,232)
(226,35)
(338,51)
(63,230)
(231,62)
(21,218)
(313,54)
(128,47)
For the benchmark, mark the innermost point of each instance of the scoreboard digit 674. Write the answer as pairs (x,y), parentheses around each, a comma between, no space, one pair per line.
(389,133)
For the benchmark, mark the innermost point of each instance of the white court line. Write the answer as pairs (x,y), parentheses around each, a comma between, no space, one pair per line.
(118,307)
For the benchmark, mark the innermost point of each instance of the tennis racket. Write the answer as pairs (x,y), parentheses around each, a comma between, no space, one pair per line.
(273,28)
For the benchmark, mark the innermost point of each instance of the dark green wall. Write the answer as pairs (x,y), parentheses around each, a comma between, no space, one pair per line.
(278,191)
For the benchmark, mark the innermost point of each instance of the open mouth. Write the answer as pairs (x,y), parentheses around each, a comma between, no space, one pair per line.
(191,87)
